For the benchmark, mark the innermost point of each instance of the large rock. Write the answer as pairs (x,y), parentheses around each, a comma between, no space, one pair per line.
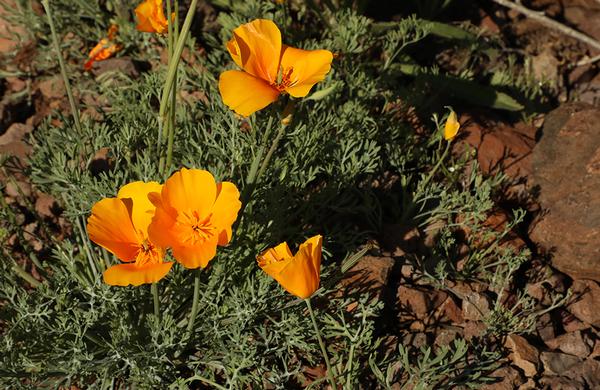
(566,168)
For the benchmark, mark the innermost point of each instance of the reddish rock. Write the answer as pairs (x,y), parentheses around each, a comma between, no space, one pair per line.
(556,363)
(473,329)
(369,274)
(506,378)
(417,302)
(501,147)
(586,304)
(571,343)
(44,205)
(564,164)
(475,306)
(523,355)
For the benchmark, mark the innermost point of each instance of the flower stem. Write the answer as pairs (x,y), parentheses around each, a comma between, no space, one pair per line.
(154,289)
(172,111)
(190,325)
(437,166)
(63,68)
(174,63)
(272,149)
(330,372)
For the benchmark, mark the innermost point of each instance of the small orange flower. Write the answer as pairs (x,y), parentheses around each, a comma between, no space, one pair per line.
(451,127)
(194,215)
(270,68)
(298,274)
(106,48)
(120,225)
(151,17)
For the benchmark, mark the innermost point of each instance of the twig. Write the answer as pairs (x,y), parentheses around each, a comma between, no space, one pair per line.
(550,23)
(587,61)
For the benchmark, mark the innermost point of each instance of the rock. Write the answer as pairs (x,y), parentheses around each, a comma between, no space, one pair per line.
(545,66)
(566,169)
(586,302)
(501,147)
(473,329)
(52,88)
(507,378)
(124,65)
(571,343)
(9,33)
(545,327)
(475,306)
(445,337)
(559,383)
(556,363)
(44,205)
(16,132)
(450,311)
(417,302)
(369,274)
(523,355)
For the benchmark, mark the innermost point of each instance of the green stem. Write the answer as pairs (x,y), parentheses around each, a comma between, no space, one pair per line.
(190,325)
(172,110)
(63,68)
(437,166)
(154,289)
(172,71)
(272,149)
(330,372)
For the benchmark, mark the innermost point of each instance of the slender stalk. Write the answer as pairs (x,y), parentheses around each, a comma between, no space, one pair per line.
(190,325)
(272,149)
(154,289)
(63,68)
(330,372)
(171,72)
(172,110)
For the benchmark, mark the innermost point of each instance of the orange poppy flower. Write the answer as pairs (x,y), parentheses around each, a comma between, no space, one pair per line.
(298,274)
(451,127)
(194,215)
(270,68)
(151,17)
(120,225)
(106,48)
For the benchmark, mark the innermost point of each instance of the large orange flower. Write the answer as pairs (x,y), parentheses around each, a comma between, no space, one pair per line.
(106,48)
(270,68)
(298,274)
(194,215)
(120,225)
(151,17)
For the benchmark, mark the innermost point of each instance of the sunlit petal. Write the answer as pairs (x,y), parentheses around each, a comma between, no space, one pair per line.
(140,207)
(244,93)
(126,274)
(110,226)
(258,48)
(304,68)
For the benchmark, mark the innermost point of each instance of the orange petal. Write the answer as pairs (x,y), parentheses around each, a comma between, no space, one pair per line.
(197,255)
(308,68)
(160,230)
(244,93)
(273,260)
(151,17)
(226,207)
(110,227)
(257,48)
(125,274)
(141,209)
(190,190)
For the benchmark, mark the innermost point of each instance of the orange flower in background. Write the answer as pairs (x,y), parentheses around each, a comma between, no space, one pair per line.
(194,215)
(120,225)
(151,17)
(106,48)
(451,127)
(298,274)
(269,68)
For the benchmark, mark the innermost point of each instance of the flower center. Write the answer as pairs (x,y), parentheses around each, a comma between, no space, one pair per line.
(194,229)
(147,254)
(284,79)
